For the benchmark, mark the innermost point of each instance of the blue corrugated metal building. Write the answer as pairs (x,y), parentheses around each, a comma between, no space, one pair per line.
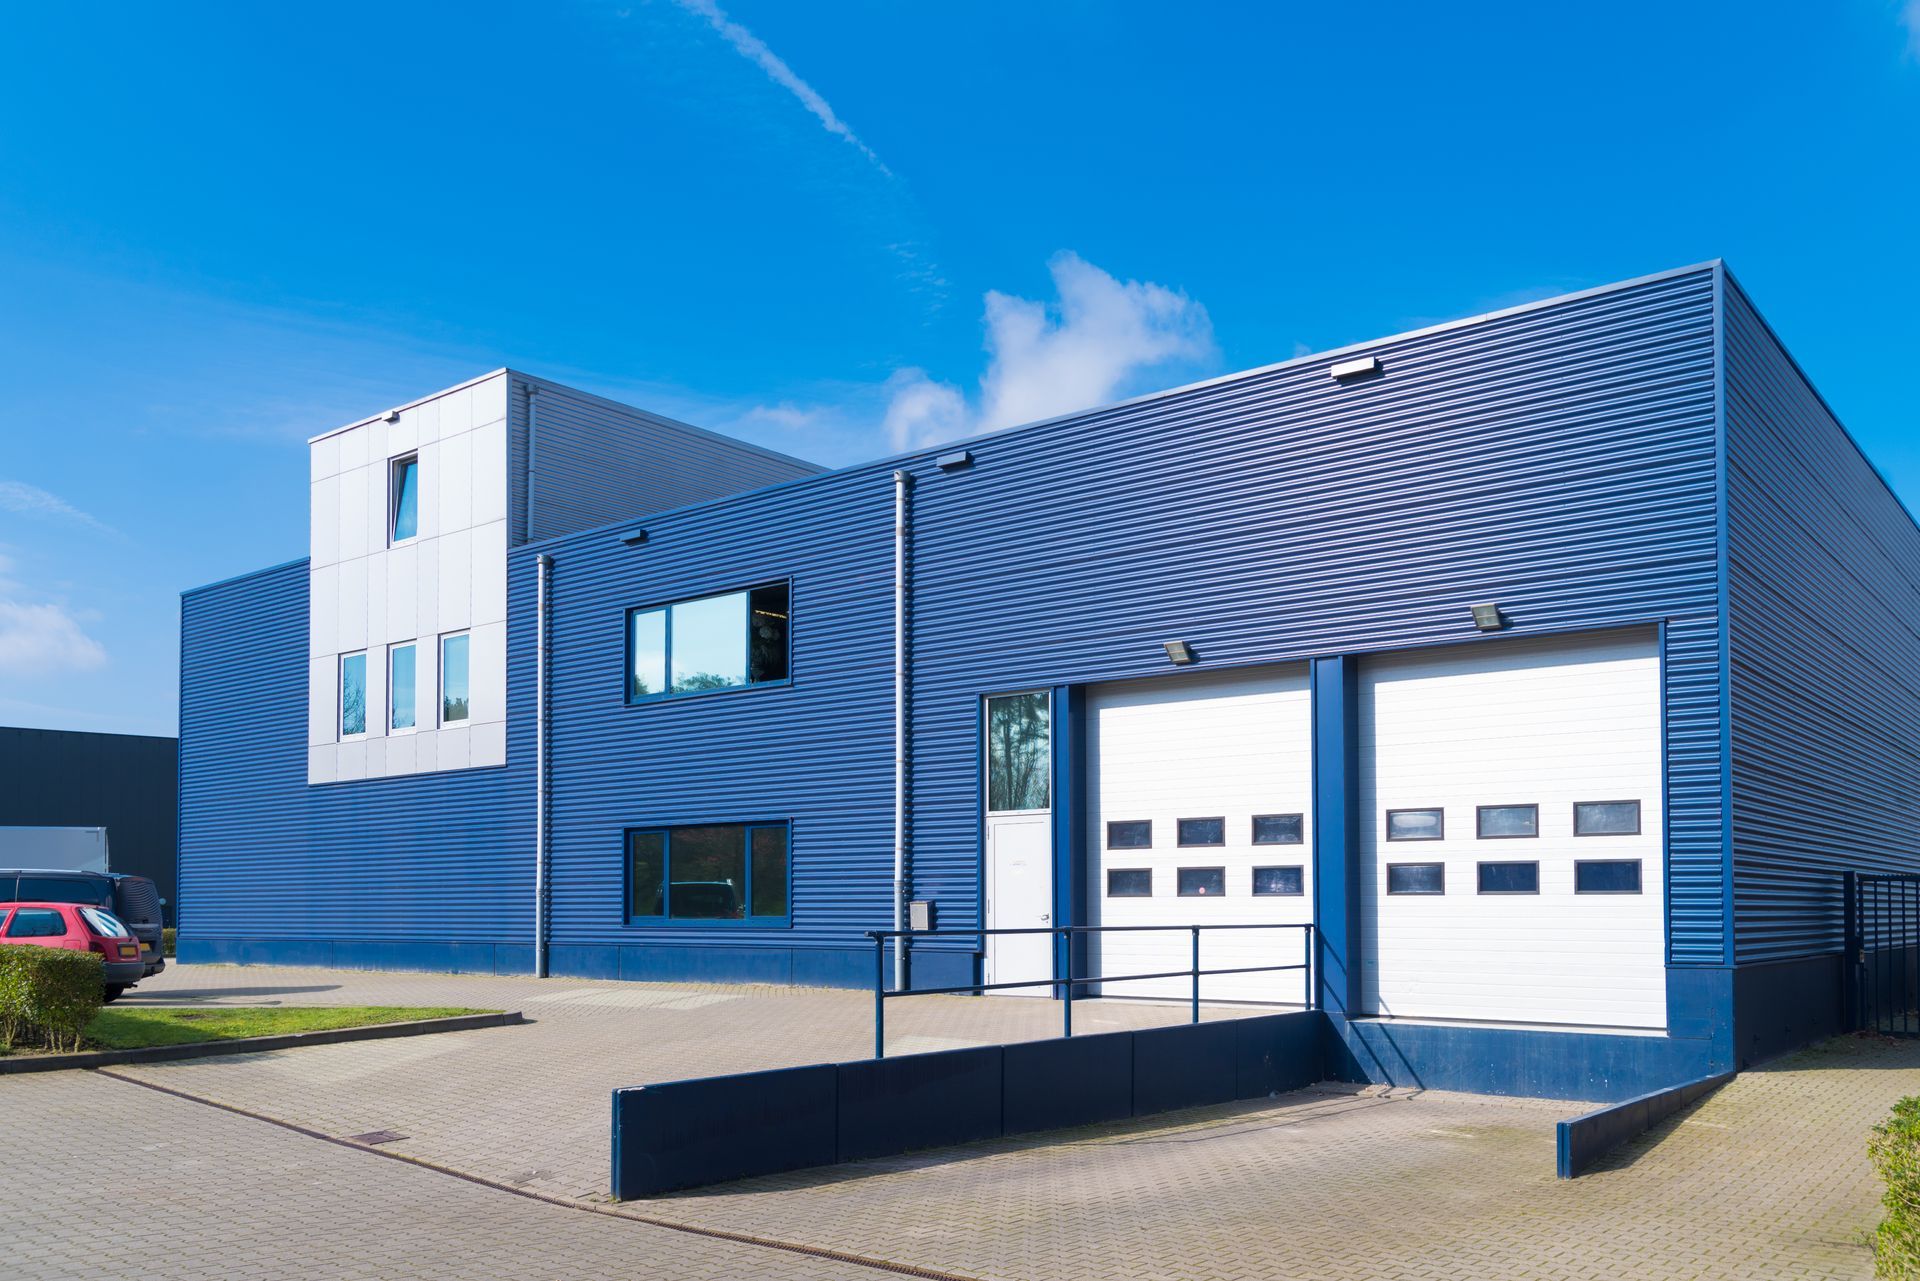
(1210,655)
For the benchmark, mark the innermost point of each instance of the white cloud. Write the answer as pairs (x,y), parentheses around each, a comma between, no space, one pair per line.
(754,50)
(39,639)
(28,500)
(920,410)
(1098,341)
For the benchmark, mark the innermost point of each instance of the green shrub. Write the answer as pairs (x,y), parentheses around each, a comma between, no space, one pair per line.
(166,940)
(48,995)
(1895,1149)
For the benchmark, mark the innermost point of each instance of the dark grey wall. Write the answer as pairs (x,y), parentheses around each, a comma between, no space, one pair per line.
(122,782)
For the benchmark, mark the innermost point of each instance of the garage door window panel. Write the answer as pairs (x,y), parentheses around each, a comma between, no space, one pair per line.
(1508,878)
(1130,834)
(1416,878)
(1202,831)
(1606,818)
(1129,882)
(1416,825)
(1279,881)
(1606,876)
(1202,882)
(1507,822)
(1279,829)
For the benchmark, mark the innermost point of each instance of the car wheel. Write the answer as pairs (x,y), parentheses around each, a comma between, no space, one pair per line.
(114,990)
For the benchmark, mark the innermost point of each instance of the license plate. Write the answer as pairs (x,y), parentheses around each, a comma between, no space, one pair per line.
(129,952)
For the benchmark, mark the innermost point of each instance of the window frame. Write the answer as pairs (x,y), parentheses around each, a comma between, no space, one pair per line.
(1479,885)
(394,464)
(986,750)
(1439,893)
(1253,882)
(1182,844)
(1639,877)
(393,651)
(747,826)
(1480,818)
(440,678)
(666,646)
(1440,833)
(1107,834)
(1639,821)
(1107,886)
(1180,872)
(340,696)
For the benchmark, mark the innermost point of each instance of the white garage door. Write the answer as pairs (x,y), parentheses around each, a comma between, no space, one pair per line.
(1200,813)
(1511,832)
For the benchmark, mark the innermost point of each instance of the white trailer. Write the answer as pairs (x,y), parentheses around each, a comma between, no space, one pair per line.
(66,849)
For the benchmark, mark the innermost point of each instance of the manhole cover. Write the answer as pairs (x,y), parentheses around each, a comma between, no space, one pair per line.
(374,1137)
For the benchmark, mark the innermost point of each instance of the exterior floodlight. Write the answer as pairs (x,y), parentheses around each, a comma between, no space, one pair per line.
(1488,618)
(633,538)
(1356,368)
(392,416)
(955,461)
(1180,652)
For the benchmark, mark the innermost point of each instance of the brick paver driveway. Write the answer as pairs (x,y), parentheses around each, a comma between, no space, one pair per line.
(1766,1179)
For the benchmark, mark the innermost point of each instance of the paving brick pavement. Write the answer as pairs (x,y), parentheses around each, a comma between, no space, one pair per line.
(529,1104)
(105,1179)
(1766,1179)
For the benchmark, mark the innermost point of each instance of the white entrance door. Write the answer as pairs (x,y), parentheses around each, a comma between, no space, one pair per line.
(1019,839)
(1511,832)
(1019,896)
(1199,804)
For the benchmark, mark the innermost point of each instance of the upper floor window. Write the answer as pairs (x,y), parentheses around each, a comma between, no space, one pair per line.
(453,679)
(714,642)
(400,665)
(353,695)
(403,498)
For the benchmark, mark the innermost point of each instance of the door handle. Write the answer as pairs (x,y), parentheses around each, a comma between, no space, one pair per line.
(1046,918)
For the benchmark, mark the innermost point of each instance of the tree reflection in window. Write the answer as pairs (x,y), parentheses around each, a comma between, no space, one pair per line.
(1018,759)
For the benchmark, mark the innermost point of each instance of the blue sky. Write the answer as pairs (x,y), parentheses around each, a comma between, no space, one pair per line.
(835,228)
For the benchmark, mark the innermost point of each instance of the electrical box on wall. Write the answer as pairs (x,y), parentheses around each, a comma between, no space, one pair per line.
(920,915)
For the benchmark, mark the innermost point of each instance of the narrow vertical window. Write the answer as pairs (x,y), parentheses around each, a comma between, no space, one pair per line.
(453,679)
(1018,753)
(400,701)
(353,695)
(647,653)
(767,633)
(404,498)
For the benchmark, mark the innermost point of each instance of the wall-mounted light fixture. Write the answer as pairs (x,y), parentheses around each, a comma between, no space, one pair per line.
(1180,652)
(955,461)
(1488,618)
(634,537)
(391,416)
(1355,368)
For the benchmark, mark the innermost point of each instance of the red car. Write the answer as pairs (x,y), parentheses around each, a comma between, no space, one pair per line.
(78,928)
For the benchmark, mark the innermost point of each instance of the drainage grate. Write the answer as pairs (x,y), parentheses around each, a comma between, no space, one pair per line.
(373,1138)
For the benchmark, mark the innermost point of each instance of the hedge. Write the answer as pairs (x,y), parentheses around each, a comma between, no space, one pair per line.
(1895,1149)
(48,995)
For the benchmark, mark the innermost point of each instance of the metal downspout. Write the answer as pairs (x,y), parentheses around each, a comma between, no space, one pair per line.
(543,593)
(901,483)
(533,457)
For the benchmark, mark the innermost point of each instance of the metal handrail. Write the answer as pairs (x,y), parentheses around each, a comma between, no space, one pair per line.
(881,938)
